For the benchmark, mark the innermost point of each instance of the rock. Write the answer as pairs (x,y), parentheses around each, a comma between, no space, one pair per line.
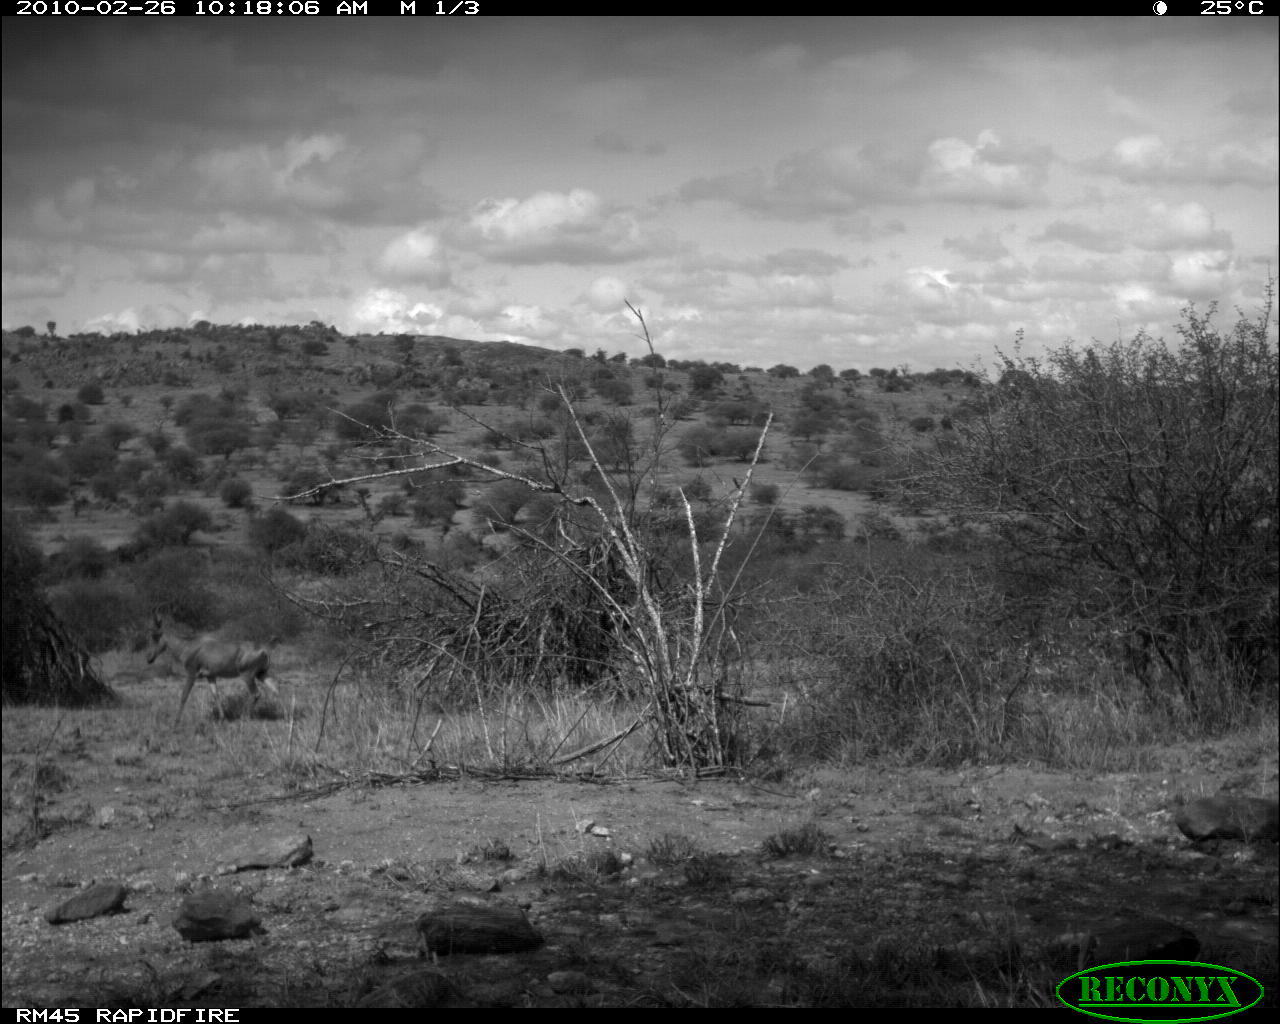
(475,926)
(216,914)
(97,900)
(1140,939)
(1230,817)
(421,989)
(282,853)
(570,982)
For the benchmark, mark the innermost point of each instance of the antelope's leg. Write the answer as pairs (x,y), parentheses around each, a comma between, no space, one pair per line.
(186,692)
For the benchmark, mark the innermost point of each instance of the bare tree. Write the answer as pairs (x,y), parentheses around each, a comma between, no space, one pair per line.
(602,536)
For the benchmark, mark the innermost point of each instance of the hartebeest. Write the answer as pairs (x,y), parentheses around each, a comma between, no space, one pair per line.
(212,659)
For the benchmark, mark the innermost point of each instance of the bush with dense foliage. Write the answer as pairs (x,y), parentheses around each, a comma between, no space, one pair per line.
(1139,481)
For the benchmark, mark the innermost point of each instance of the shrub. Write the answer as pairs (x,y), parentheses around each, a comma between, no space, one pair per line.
(218,436)
(699,444)
(765,494)
(838,475)
(703,380)
(106,487)
(177,581)
(91,456)
(275,529)
(1142,481)
(21,407)
(821,521)
(117,433)
(153,487)
(328,551)
(615,391)
(183,464)
(36,483)
(697,489)
(158,441)
(174,526)
(91,394)
(435,504)
(372,414)
(236,492)
(99,613)
(923,424)
(418,420)
(393,504)
(502,502)
(81,557)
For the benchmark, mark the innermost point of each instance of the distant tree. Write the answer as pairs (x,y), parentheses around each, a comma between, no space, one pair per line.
(183,464)
(703,380)
(653,361)
(25,331)
(419,420)
(821,521)
(91,456)
(435,504)
(81,557)
(823,373)
(90,394)
(236,492)
(358,419)
(219,437)
(615,390)
(765,494)
(851,374)
(782,371)
(275,529)
(117,433)
(811,423)
(174,526)
(52,328)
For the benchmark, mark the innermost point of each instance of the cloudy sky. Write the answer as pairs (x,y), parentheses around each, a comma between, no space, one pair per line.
(857,192)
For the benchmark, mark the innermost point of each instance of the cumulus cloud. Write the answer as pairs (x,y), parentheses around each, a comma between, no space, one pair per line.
(67,214)
(1149,159)
(127,320)
(1084,236)
(1179,226)
(1157,227)
(414,256)
(1201,275)
(33,272)
(323,173)
(840,180)
(162,267)
(385,309)
(985,246)
(555,227)
(41,284)
(991,172)
(606,294)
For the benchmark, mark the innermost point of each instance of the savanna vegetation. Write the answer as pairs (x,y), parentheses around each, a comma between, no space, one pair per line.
(653,560)
(943,639)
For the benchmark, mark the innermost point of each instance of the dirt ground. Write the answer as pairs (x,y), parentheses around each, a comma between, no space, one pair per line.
(946,868)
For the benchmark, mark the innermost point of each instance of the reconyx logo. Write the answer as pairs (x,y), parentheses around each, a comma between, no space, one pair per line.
(1165,990)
